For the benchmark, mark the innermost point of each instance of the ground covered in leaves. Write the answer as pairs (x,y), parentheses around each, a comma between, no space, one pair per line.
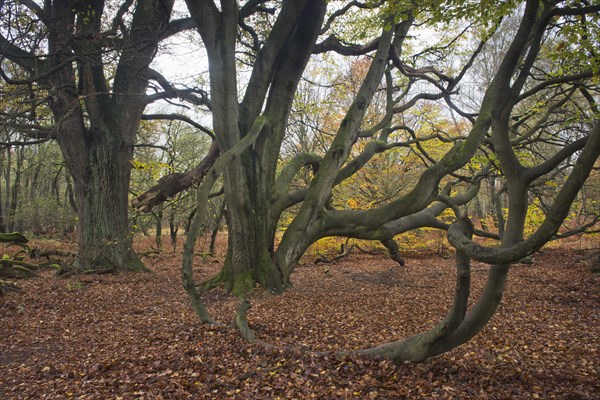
(136,336)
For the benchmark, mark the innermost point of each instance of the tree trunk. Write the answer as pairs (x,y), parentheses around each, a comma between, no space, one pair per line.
(7,179)
(216,228)
(2,220)
(14,196)
(173,229)
(158,235)
(101,189)
(249,257)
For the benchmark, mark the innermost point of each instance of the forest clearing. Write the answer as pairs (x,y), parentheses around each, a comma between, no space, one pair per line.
(137,337)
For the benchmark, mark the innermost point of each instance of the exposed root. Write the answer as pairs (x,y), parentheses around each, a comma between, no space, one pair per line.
(211,283)
(8,286)
(373,252)
(241,321)
(65,272)
(345,252)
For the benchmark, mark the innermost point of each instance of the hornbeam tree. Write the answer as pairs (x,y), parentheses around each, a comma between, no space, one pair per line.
(542,90)
(88,63)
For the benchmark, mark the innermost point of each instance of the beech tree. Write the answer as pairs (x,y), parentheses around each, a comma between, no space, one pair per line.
(88,63)
(519,106)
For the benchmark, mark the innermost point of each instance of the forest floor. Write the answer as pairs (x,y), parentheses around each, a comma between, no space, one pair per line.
(135,336)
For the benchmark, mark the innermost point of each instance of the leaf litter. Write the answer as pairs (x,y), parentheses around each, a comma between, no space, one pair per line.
(136,336)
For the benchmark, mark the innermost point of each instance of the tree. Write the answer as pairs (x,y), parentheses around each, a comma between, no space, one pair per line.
(88,63)
(250,133)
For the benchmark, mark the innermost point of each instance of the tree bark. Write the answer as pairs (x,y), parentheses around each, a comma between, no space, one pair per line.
(101,191)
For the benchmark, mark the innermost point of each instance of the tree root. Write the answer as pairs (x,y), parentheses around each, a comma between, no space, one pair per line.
(374,252)
(211,283)
(8,286)
(150,253)
(65,272)
(345,252)
(241,321)
(36,253)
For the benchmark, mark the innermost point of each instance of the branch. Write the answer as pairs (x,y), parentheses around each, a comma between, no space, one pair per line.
(178,117)
(253,6)
(581,229)
(344,10)
(171,91)
(554,81)
(117,21)
(176,26)
(289,172)
(554,218)
(35,8)
(426,218)
(4,145)
(564,11)
(169,185)
(26,60)
(531,173)
(334,44)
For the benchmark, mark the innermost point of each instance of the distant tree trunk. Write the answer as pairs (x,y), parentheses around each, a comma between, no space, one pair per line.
(499,211)
(8,184)
(481,214)
(158,234)
(69,192)
(216,228)
(14,196)
(173,228)
(2,220)
(56,186)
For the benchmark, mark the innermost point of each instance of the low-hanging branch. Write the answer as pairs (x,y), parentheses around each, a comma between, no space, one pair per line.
(169,185)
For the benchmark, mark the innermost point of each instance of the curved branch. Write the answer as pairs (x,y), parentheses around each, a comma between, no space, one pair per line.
(424,345)
(344,10)
(195,96)
(426,218)
(555,216)
(177,26)
(555,81)
(179,117)
(289,172)
(196,227)
(532,173)
(334,44)
(576,10)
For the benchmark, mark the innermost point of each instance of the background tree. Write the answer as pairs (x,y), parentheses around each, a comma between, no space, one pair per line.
(61,48)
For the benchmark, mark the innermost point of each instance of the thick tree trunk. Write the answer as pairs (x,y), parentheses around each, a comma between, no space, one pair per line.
(101,189)
(249,257)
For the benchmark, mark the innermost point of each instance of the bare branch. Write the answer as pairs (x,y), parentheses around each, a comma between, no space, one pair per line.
(178,117)
(334,44)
